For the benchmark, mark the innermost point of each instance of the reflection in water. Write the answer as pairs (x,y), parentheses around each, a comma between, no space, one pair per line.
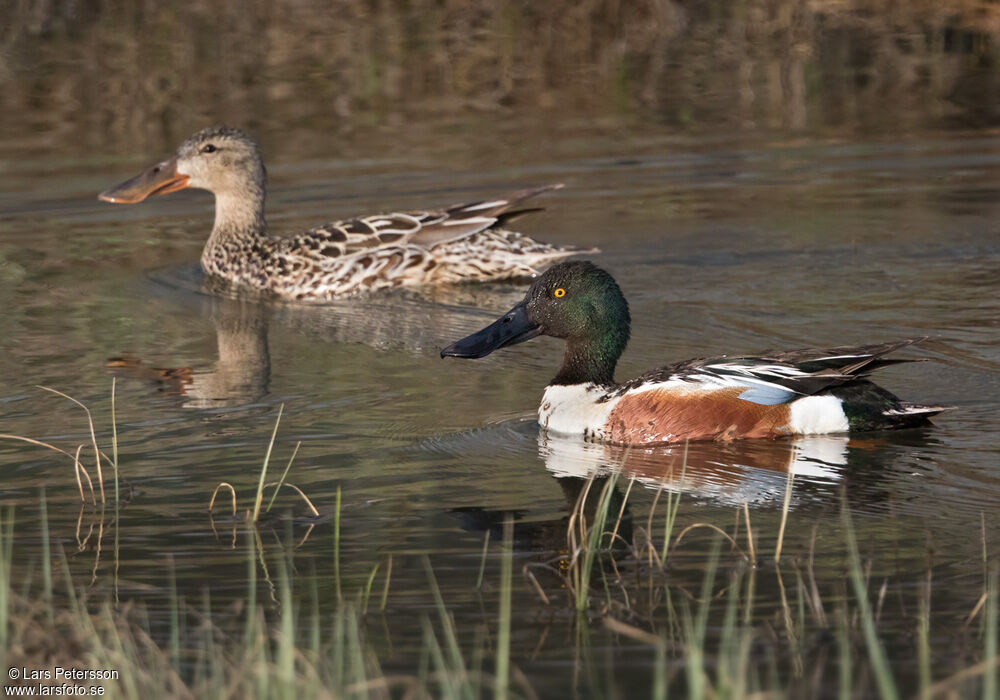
(872,472)
(744,471)
(748,471)
(81,71)
(240,375)
(583,496)
(242,320)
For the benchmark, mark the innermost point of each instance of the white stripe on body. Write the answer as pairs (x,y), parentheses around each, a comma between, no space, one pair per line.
(574,410)
(817,415)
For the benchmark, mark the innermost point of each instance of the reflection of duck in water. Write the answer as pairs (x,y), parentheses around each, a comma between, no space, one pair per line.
(242,372)
(799,392)
(550,535)
(734,473)
(465,242)
(754,472)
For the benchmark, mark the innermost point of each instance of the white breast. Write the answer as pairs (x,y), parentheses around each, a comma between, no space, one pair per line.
(575,410)
(817,415)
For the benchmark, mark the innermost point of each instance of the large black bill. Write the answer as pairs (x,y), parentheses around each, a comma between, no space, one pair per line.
(510,329)
(160,179)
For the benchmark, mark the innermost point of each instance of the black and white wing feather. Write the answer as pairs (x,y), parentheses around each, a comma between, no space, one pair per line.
(779,377)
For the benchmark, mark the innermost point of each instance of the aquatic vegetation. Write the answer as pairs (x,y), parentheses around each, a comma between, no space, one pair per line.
(262,483)
(289,650)
(79,468)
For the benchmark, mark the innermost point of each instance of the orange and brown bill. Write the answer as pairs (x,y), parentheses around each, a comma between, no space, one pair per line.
(162,178)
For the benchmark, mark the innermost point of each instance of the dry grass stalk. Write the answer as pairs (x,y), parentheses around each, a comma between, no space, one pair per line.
(534,582)
(948,684)
(385,591)
(784,515)
(621,512)
(750,544)
(309,503)
(77,465)
(716,528)
(975,611)
(232,491)
(93,434)
(635,633)
(78,468)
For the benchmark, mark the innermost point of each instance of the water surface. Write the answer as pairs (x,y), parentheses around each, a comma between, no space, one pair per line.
(721,245)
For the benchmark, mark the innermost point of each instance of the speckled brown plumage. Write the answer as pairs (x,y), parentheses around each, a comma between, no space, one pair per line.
(465,242)
(380,252)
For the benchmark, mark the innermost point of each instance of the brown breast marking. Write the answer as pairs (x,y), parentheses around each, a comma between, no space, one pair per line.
(664,415)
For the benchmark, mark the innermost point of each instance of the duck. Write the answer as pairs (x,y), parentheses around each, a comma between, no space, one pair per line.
(808,391)
(460,243)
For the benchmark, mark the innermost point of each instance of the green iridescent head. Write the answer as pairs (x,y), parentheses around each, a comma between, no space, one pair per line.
(576,301)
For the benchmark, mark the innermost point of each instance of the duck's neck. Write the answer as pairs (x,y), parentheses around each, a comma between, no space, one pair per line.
(239,221)
(590,361)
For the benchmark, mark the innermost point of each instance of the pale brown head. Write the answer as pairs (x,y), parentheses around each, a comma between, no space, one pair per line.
(220,159)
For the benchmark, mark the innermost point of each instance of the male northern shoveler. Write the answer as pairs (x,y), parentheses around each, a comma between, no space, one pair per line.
(466,242)
(798,392)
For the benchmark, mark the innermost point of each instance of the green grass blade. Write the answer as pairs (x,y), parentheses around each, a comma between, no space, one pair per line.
(876,654)
(263,469)
(284,475)
(502,673)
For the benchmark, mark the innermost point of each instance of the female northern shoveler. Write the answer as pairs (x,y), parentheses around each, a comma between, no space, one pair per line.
(799,392)
(466,242)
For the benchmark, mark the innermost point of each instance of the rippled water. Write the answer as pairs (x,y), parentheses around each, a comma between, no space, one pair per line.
(720,247)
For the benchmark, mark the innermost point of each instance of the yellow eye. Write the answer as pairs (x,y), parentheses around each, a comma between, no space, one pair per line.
(559,292)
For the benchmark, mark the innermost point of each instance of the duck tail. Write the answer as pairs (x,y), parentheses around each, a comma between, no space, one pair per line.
(911,415)
(501,205)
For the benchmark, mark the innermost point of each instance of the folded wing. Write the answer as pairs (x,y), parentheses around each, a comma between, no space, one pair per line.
(779,377)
